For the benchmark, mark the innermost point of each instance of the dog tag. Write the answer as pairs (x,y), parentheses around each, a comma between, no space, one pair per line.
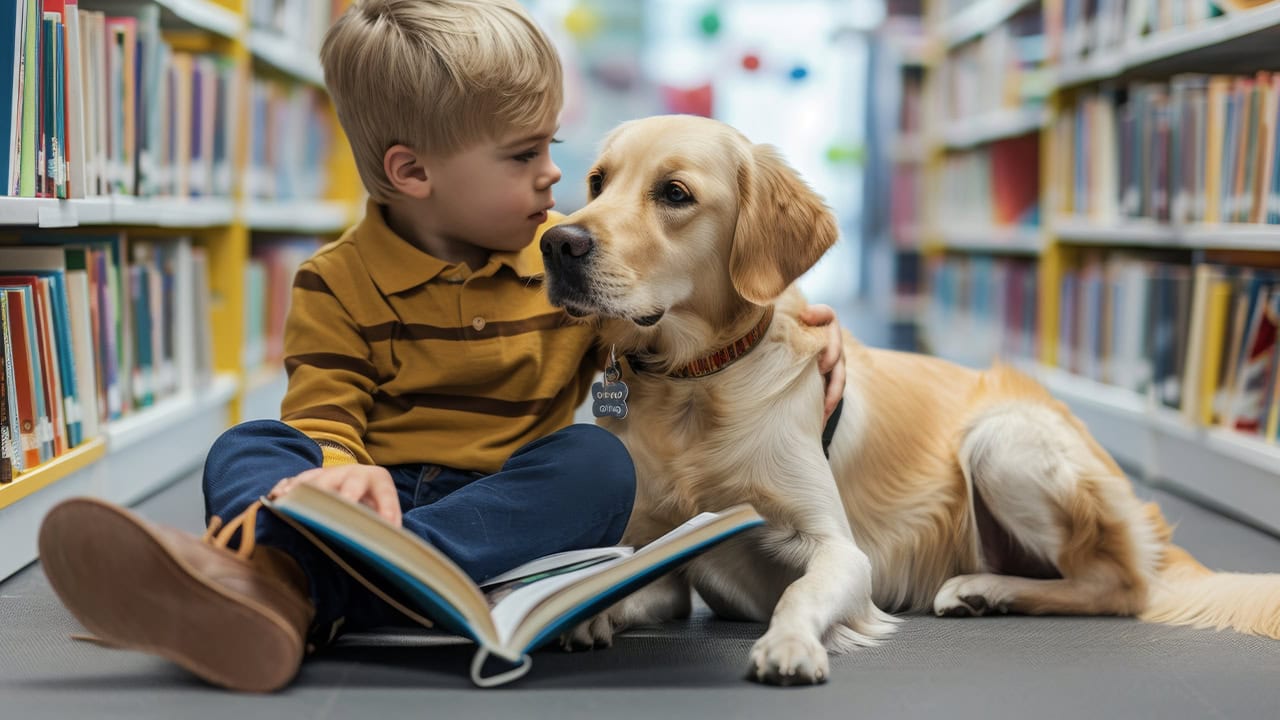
(609,397)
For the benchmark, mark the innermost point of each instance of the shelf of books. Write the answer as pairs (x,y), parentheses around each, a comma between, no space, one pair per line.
(908,52)
(1126,252)
(160,188)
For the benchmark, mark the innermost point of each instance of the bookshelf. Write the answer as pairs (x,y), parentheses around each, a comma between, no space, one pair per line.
(1114,103)
(271,45)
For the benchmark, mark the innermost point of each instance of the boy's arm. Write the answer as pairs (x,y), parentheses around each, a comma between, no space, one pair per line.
(331,381)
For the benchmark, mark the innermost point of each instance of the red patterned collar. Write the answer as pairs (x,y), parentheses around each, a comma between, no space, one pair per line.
(720,359)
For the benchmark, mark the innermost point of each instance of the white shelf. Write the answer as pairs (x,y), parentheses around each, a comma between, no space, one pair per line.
(1188,48)
(202,15)
(284,55)
(20,520)
(170,212)
(144,452)
(1197,236)
(165,441)
(1232,472)
(992,126)
(46,213)
(991,239)
(116,210)
(979,18)
(298,216)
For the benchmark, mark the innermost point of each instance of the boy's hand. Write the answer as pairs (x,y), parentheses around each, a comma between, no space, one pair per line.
(831,362)
(364,484)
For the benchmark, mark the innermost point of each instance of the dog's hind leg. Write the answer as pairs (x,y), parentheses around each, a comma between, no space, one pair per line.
(1060,504)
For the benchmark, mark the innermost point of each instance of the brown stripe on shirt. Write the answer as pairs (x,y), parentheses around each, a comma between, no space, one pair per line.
(332,361)
(465,403)
(334,413)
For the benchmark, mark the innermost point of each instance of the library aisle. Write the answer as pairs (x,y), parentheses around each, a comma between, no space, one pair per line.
(957,668)
(1087,190)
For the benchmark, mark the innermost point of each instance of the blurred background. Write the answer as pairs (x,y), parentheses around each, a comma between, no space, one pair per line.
(1088,189)
(792,74)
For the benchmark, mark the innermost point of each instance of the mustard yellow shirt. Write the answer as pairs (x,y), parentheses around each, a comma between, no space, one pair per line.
(395,356)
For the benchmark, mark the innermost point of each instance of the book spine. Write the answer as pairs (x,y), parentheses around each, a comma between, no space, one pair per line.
(8,457)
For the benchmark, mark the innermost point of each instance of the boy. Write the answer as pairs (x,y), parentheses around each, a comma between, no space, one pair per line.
(429,378)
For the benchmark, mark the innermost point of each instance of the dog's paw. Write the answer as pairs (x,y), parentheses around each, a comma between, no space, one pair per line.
(969,596)
(781,658)
(594,633)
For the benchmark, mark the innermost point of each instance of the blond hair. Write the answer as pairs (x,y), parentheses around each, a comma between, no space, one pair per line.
(437,76)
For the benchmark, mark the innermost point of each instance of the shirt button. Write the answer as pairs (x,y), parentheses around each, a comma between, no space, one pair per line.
(478,323)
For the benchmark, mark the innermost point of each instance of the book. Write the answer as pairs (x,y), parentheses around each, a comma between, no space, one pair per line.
(1215,334)
(514,613)
(8,456)
(11,28)
(24,387)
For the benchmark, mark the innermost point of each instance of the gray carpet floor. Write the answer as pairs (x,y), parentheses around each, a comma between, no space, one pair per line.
(1006,667)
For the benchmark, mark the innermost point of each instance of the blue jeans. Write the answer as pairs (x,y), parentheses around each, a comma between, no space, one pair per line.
(569,490)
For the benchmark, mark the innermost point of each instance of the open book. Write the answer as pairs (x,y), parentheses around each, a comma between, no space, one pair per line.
(513,613)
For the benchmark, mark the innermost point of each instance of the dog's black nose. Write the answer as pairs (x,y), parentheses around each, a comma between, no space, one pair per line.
(574,241)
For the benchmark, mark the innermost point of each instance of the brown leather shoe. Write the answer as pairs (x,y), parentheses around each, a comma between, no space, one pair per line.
(237,619)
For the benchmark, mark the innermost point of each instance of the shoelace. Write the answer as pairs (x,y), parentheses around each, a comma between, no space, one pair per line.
(220,535)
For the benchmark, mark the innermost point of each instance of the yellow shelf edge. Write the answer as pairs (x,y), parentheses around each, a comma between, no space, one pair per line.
(46,474)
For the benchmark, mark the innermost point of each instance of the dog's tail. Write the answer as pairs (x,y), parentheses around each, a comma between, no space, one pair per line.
(1188,593)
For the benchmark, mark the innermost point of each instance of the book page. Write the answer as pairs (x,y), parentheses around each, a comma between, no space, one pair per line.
(690,525)
(576,590)
(551,562)
(511,602)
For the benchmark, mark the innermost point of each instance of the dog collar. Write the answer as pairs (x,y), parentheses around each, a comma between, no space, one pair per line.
(720,359)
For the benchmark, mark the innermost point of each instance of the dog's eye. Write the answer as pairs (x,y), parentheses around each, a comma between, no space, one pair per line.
(595,183)
(676,194)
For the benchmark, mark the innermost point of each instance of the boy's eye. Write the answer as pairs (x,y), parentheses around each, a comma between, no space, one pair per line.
(532,153)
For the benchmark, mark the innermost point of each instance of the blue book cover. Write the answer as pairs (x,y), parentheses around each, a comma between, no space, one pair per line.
(10,90)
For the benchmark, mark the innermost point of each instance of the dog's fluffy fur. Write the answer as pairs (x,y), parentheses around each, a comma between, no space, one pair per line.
(948,489)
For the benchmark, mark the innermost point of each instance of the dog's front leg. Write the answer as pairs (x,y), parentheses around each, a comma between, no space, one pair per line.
(667,598)
(791,651)
(830,604)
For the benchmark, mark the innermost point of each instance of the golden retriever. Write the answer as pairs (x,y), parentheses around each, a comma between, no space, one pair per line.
(947,489)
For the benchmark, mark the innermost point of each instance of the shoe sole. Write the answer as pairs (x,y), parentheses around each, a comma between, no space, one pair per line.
(124,585)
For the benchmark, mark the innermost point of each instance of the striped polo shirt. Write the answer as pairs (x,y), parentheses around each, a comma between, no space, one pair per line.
(395,356)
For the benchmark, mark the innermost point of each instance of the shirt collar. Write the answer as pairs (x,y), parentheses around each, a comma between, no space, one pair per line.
(396,265)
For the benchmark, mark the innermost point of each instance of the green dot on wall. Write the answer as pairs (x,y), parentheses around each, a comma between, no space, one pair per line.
(710,23)
(845,154)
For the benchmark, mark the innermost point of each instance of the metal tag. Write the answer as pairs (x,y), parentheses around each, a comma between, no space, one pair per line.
(609,398)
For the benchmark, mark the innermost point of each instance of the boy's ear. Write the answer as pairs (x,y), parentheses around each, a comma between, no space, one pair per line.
(407,172)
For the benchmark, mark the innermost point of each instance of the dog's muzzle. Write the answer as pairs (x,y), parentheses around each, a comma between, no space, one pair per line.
(567,253)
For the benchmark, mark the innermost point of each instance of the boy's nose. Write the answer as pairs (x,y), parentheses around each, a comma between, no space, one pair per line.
(565,242)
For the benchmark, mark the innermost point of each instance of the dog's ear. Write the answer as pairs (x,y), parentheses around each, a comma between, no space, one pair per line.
(783,227)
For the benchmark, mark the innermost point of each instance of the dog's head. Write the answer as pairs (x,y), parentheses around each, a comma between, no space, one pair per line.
(685,217)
